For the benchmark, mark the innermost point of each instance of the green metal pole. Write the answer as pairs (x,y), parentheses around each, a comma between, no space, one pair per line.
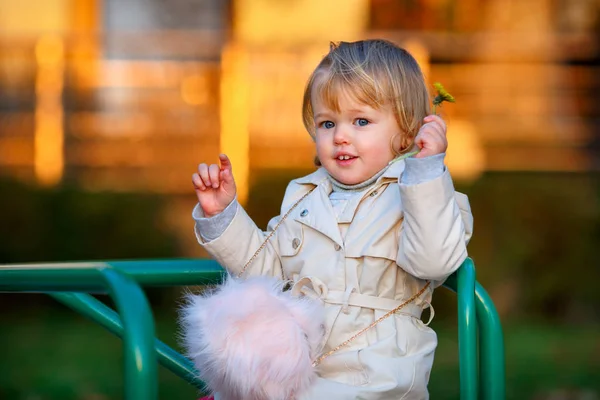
(463,283)
(173,272)
(140,358)
(103,315)
(491,352)
(41,278)
(169,272)
(138,339)
(467,330)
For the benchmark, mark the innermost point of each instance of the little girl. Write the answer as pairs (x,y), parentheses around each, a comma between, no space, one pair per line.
(371,232)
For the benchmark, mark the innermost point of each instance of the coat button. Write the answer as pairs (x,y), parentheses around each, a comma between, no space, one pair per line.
(373,193)
(337,247)
(295,243)
(304,213)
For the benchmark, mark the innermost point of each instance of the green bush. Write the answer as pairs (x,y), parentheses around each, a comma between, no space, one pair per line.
(65,223)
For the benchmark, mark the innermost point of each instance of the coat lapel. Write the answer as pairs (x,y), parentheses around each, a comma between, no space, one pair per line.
(316,212)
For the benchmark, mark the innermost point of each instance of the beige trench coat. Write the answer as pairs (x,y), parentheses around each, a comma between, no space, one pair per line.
(395,239)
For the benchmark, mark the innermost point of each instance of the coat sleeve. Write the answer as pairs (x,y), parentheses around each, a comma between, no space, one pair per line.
(436,229)
(238,243)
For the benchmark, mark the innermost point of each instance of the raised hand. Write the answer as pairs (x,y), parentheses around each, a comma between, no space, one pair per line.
(214,186)
(431,138)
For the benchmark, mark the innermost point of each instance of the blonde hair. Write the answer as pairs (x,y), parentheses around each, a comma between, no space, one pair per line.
(376,73)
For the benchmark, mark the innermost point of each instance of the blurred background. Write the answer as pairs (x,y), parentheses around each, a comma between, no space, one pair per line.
(107,107)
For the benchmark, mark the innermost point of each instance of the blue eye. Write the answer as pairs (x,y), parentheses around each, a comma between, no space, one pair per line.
(361,122)
(327,124)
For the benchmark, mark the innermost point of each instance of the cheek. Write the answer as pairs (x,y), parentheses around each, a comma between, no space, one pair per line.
(321,145)
(379,144)
(383,149)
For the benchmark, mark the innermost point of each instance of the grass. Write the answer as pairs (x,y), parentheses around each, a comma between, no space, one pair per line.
(60,355)
(542,362)
(56,354)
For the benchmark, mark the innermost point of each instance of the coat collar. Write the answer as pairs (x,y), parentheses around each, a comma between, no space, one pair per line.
(325,222)
(316,211)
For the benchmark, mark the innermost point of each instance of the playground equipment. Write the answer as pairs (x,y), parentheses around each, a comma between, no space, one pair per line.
(481,345)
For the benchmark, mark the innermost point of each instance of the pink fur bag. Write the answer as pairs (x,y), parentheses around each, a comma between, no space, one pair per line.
(251,340)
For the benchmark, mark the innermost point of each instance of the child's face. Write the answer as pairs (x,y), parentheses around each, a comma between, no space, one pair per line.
(356,142)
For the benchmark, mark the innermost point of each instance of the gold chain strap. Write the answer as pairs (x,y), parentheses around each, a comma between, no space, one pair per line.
(362,331)
(359,333)
(262,246)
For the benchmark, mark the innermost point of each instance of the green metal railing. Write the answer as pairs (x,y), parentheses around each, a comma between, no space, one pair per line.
(98,312)
(138,325)
(69,284)
(475,304)
(491,347)
(463,283)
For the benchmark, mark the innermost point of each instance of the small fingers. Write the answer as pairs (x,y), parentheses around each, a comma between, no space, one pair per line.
(420,144)
(224,175)
(430,142)
(433,128)
(434,133)
(198,184)
(432,136)
(437,121)
(204,175)
(213,172)
(225,162)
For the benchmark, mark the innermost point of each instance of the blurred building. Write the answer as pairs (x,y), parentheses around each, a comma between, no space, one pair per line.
(130,95)
(117,95)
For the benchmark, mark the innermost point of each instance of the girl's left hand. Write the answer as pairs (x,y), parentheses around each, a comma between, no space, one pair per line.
(431,138)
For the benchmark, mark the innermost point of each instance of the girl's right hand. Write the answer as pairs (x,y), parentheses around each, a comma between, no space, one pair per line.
(214,186)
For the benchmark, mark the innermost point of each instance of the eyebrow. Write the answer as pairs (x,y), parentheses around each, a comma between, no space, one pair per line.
(360,110)
(364,110)
(321,115)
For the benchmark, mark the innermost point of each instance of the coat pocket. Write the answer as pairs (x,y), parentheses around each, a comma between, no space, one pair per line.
(290,241)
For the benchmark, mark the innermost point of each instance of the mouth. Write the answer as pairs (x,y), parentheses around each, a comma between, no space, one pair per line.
(344,159)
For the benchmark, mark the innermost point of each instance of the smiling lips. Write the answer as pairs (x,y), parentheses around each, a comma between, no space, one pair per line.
(343,159)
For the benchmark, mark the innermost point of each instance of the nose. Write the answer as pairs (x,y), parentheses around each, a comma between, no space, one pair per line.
(340,135)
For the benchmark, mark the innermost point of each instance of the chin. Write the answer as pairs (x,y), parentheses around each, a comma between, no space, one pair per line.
(348,179)
(350,182)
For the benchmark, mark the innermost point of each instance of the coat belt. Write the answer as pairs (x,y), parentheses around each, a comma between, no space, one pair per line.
(373,302)
(315,288)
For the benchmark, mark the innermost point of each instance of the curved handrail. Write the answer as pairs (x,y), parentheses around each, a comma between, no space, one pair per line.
(138,342)
(491,349)
(463,283)
(106,317)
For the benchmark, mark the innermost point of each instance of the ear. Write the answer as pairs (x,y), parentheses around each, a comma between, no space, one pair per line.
(406,143)
(401,143)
